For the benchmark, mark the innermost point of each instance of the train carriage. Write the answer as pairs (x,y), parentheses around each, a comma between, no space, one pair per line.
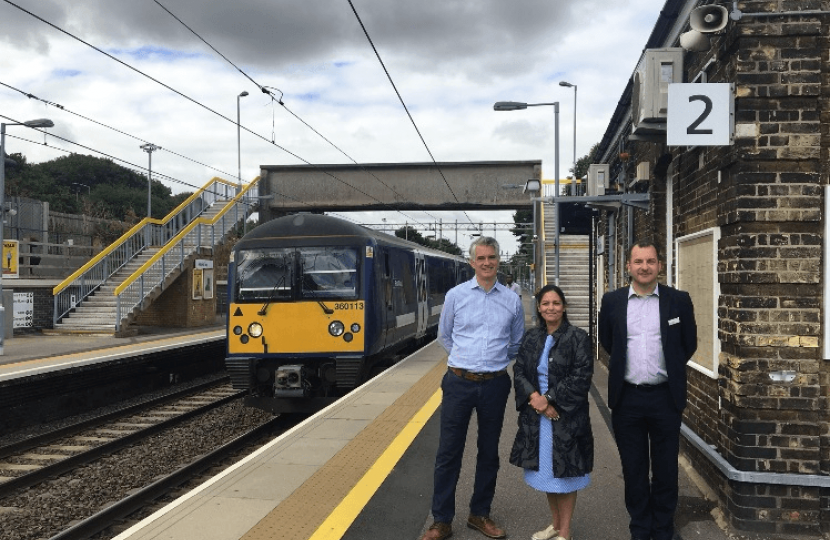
(316,305)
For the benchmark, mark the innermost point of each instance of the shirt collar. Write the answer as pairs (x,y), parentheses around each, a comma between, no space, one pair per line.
(632,292)
(474,284)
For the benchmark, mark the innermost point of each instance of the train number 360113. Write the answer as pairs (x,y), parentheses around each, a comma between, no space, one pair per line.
(348,305)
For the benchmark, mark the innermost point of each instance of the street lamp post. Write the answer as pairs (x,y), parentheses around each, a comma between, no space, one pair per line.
(149,148)
(569,85)
(39,123)
(515,106)
(78,187)
(239,141)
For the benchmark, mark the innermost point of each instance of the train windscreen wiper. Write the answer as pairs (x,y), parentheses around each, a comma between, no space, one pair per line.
(270,297)
(327,310)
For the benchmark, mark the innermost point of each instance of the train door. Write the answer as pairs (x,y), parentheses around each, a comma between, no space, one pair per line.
(388,309)
(421,295)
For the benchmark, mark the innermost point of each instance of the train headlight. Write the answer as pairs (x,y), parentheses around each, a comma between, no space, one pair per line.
(347,337)
(255,330)
(355,328)
(237,330)
(336,328)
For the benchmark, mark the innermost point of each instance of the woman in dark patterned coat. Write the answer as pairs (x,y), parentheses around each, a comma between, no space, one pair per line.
(554,443)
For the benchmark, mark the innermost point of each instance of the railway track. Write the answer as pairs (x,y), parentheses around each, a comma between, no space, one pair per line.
(28,462)
(79,480)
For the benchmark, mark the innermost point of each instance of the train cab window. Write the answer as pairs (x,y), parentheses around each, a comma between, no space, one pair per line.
(329,272)
(264,274)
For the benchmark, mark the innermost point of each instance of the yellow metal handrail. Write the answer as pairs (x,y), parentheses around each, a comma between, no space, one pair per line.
(135,228)
(176,239)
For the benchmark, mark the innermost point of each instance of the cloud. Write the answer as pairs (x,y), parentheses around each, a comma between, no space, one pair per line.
(450,60)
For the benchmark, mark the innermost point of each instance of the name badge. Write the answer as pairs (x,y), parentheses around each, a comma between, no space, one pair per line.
(676,320)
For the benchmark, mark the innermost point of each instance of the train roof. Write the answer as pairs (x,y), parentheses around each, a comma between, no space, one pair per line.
(303,225)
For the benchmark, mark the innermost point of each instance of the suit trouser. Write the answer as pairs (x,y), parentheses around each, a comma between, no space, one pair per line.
(460,397)
(647,425)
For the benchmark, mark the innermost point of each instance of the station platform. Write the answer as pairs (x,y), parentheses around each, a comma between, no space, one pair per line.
(37,354)
(363,469)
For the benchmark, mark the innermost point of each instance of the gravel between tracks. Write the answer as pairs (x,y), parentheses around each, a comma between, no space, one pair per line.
(47,509)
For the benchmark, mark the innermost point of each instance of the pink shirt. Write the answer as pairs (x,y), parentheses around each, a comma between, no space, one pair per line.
(645,361)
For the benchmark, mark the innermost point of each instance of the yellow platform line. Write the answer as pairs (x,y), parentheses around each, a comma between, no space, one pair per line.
(342,517)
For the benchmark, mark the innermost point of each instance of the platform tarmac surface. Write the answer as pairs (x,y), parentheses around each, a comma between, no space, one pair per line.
(400,509)
(33,346)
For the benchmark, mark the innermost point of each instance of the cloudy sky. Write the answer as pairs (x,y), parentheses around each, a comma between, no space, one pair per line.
(136,69)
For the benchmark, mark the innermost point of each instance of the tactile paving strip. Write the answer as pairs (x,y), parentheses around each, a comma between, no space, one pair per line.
(302,513)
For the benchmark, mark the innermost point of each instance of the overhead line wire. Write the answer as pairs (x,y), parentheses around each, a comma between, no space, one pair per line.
(61,107)
(108,55)
(266,91)
(135,166)
(405,108)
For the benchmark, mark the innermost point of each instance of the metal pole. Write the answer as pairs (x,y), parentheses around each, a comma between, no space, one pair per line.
(2,243)
(573,190)
(149,148)
(239,142)
(150,184)
(41,122)
(556,188)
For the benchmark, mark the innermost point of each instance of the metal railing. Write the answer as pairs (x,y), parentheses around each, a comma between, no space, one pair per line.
(202,232)
(72,291)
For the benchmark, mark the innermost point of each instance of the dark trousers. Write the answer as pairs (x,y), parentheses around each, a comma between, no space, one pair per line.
(461,397)
(647,425)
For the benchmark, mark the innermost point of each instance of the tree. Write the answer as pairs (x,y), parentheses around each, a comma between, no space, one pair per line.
(411,233)
(82,184)
(584,162)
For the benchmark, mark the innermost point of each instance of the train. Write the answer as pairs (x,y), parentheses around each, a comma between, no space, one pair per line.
(317,305)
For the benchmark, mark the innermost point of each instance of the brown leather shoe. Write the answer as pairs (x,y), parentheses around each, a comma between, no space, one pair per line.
(486,526)
(438,531)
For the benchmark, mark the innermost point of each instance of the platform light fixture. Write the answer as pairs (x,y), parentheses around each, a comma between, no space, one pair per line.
(516,106)
(38,123)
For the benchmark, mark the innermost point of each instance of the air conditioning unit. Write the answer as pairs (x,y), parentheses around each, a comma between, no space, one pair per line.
(643,173)
(650,94)
(598,175)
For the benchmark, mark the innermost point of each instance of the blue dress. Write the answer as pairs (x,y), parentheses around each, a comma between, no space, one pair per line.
(543,479)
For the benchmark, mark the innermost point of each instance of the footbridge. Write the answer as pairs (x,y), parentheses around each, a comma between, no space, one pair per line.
(109,292)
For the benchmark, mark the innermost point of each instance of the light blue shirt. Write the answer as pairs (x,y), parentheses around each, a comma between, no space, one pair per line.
(481,330)
(645,363)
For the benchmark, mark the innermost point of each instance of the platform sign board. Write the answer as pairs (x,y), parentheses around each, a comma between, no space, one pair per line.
(24,310)
(700,114)
(198,284)
(11,258)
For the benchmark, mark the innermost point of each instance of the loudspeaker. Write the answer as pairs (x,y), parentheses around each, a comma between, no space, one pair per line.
(695,41)
(709,19)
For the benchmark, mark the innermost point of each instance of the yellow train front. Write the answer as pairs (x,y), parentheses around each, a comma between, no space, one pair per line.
(317,305)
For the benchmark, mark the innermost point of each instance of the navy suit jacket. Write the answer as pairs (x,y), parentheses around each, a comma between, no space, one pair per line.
(678,332)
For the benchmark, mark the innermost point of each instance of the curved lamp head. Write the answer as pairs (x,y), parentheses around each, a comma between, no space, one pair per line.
(39,123)
(509,106)
(566,84)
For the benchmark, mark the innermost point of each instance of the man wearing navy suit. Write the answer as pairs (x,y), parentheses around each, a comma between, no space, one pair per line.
(649,331)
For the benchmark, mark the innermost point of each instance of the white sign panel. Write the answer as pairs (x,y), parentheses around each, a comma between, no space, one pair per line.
(203,264)
(24,310)
(700,114)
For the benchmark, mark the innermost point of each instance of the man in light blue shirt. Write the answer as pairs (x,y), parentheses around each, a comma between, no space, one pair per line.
(481,326)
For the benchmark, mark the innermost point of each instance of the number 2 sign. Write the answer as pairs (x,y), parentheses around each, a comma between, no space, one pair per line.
(700,114)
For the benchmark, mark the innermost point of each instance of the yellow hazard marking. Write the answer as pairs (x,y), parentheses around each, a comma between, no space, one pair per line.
(342,517)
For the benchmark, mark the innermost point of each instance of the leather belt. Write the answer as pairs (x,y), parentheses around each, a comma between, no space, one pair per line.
(476,377)
(647,387)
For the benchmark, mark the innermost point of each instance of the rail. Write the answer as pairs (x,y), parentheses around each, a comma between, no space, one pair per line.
(72,291)
(201,232)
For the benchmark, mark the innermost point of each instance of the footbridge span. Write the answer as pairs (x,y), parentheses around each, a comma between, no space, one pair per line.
(475,185)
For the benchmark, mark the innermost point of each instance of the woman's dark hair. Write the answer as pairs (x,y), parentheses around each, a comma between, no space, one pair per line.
(542,292)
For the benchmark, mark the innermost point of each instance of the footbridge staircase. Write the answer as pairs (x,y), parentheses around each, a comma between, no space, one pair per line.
(105,295)
(574,269)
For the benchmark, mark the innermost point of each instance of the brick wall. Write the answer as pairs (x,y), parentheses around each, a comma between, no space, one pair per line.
(177,308)
(764,193)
